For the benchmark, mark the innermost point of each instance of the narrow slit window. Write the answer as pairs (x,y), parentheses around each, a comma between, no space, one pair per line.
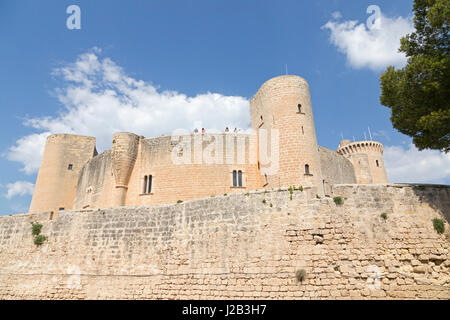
(234,178)
(303,131)
(150,179)
(299,108)
(145,185)
(307,169)
(377,163)
(240,178)
(70,167)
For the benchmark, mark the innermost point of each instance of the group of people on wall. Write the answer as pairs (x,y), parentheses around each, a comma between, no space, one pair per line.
(227,129)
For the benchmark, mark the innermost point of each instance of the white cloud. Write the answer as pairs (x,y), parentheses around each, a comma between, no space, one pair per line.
(19,188)
(28,151)
(374,48)
(336,15)
(100,99)
(413,166)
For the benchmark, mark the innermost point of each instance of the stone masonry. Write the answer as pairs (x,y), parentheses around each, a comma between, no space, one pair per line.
(246,245)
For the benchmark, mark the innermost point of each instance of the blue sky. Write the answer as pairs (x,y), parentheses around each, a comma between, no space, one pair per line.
(183,52)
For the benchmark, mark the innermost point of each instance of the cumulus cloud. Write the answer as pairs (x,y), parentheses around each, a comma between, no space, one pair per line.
(99,98)
(374,48)
(413,166)
(19,188)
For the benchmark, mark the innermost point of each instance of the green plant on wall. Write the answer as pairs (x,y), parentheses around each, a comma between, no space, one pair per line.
(36,232)
(338,200)
(39,239)
(438,225)
(300,275)
(36,228)
(384,215)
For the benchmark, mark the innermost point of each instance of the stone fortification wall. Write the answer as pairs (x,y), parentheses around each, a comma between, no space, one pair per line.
(238,246)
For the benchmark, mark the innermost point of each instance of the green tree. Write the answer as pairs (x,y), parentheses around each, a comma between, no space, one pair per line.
(419,94)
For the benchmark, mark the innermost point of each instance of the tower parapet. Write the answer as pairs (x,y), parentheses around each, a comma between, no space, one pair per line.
(367,159)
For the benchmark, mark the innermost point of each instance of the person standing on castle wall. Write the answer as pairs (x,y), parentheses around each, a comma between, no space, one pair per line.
(227,130)
(203,130)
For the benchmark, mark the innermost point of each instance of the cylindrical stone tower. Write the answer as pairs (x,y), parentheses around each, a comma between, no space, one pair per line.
(367,159)
(64,156)
(282,106)
(124,152)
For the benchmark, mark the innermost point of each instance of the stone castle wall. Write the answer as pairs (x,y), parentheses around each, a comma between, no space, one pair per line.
(203,167)
(335,169)
(238,246)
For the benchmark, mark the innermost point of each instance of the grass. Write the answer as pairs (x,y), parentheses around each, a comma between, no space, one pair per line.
(384,215)
(179,201)
(438,225)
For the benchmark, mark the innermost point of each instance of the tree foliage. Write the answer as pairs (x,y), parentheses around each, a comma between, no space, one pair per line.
(419,94)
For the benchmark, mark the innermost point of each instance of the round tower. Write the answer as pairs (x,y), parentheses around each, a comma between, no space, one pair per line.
(63,158)
(124,153)
(367,159)
(282,108)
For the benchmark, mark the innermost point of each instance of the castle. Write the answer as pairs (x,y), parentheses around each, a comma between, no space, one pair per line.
(140,171)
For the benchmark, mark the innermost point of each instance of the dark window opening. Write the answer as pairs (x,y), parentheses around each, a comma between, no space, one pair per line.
(234,178)
(261,118)
(61,209)
(145,185)
(70,167)
(299,107)
(150,178)
(303,131)
(377,163)
(148,184)
(307,169)
(240,178)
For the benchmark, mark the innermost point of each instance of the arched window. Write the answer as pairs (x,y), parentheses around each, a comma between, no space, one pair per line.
(307,169)
(377,163)
(234,178)
(240,178)
(299,108)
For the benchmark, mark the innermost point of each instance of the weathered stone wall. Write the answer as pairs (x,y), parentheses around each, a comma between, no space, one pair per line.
(238,246)
(335,169)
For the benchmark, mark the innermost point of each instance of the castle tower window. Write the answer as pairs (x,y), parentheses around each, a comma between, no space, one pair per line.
(261,118)
(70,167)
(299,108)
(61,209)
(377,163)
(234,178)
(150,179)
(303,131)
(307,169)
(240,178)
(145,185)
